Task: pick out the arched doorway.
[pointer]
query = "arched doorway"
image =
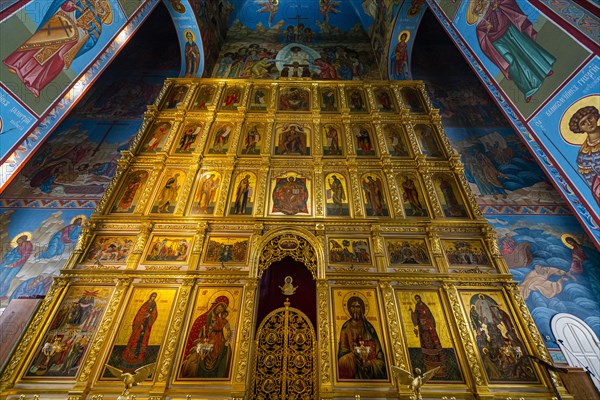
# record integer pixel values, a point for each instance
(285, 364)
(578, 343)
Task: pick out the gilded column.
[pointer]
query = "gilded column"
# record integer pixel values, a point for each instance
(186, 188)
(394, 192)
(356, 192)
(474, 365)
(166, 361)
(122, 165)
(140, 244)
(325, 342)
(199, 237)
(531, 332)
(436, 250)
(241, 369)
(103, 332)
(224, 192)
(394, 324)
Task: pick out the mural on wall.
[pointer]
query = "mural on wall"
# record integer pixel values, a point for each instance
(499, 167)
(556, 266)
(210, 344)
(36, 62)
(574, 114)
(298, 52)
(407, 252)
(520, 49)
(69, 334)
(35, 245)
(78, 161)
(428, 337)
(402, 39)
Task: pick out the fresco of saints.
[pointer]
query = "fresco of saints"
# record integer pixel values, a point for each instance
(13, 261)
(290, 196)
(141, 328)
(192, 55)
(585, 121)
(401, 56)
(69, 29)
(425, 329)
(507, 38)
(208, 349)
(61, 239)
(359, 354)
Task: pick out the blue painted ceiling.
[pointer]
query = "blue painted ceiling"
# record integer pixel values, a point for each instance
(339, 14)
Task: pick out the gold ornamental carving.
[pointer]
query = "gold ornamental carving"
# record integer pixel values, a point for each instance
(103, 331)
(324, 323)
(59, 285)
(393, 323)
(241, 367)
(173, 336)
(464, 331)
(285, 361)
(287, 244)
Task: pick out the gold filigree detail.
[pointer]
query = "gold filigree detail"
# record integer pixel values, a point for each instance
(173, 336)
(463, 329)
(393, 322)
(290, 245)
(109, 314)
(246, 332)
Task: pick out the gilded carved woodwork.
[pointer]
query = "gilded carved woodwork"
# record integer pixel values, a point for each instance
(273, 236)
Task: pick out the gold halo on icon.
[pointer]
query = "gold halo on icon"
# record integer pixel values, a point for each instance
(357, 294)
(190, 32)
(407, 32)
(13, 242)
(567, 134)
(564, 237)
(225, 293)
(82, 216)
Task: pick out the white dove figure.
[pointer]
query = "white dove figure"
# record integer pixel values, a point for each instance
(414, 382)
(130, 380)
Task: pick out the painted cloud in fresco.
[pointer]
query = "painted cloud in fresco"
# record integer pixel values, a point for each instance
(577, 293)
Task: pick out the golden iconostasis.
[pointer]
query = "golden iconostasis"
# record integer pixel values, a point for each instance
(285, 239)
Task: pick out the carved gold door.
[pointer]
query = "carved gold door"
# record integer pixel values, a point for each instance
(285, 357)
